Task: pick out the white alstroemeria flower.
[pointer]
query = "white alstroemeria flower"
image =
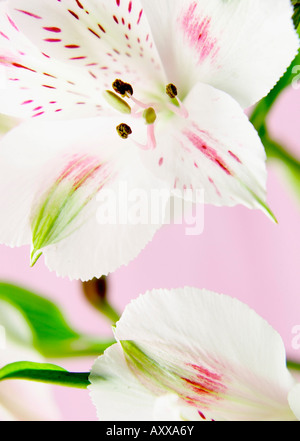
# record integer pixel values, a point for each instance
(21, 400)
(193, 355)
(170, 76)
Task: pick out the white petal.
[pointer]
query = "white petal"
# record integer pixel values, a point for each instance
(60, 176)
(170, 408)
(119, 396)
(212, 350)
(107, 38)
(215, 150)
(294, 400)
(116, 393)
(240, 46)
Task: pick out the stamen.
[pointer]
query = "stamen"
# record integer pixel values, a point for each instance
(171, 91)
(180, 110)
(151, 141)
(151, 137)
(177, 106)
(124, 89)
(123, 130)
(116, 102)
(139, 103)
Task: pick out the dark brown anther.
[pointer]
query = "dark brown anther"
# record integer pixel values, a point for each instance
(171, 90)
(124, 130)
(123, 89)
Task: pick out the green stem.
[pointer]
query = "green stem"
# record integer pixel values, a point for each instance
(262, 109)
(96, 292)
(108, 311)
(293, 365)
(273, 149)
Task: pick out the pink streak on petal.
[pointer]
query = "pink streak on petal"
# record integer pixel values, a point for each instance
(216, 188)
(207, 387)
(209, 152)
(234, 157)
(197, 32)
(82, 170)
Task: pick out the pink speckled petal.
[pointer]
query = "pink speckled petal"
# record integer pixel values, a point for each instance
(107, 39)
(34, 85)
(211, 350)
(240, 46)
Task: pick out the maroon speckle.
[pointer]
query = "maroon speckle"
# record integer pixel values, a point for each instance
(52, 40)
(140, 16)
(48, 87)
(79, 4)
(21, 66)
(102, 28)
(72, 46)
(49, 75)
(30, 14)
(94, 33)
(201, 415)
(52, 29)
(73, 14)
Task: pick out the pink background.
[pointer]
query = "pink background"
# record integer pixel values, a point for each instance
(241, 253)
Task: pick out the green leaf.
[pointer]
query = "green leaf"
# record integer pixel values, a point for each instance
(262, 109)
(290, 165)
(296, 16)
(259, 118)
(53, 337)
(45, 373)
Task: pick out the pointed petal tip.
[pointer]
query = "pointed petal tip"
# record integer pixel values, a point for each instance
(34, 257)
(266, 209)
(261, 204)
